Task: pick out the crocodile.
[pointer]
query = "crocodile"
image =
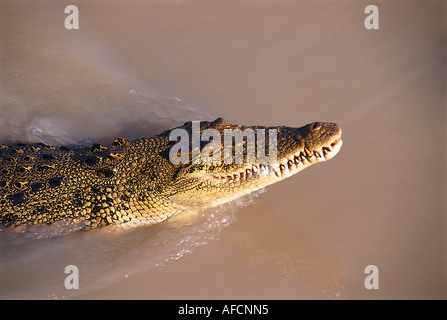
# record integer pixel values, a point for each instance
(135, 182)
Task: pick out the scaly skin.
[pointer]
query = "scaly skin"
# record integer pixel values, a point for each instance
(135, 182)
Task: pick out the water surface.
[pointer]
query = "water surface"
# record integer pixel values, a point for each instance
(136, 68)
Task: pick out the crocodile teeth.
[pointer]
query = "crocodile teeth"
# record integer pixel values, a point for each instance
(332, 150)
(308, 152)
(290, 166)
(247, 173)
(290, 163)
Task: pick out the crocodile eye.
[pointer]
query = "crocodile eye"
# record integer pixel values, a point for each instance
(315, 126)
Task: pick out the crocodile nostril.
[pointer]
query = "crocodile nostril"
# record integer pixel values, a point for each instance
(315, 126)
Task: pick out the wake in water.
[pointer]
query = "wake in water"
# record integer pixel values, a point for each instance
(34, 259)
(75, 94)
(105, 255)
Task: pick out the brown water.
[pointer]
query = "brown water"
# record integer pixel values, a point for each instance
(135, 68)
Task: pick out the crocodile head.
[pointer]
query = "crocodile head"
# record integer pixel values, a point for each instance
(201, 183)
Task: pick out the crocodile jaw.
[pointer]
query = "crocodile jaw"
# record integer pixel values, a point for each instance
(287, 167)
(252, 177)
(262, 176)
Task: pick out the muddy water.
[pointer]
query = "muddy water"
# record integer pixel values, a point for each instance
(135, 68)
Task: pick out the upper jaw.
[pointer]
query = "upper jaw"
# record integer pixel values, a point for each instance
(321, 142)
(331, 150)
(284, 167)
(305, 158)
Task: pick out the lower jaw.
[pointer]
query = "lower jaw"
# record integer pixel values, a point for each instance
(288, 166)
(243, 188)
(269, 175)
